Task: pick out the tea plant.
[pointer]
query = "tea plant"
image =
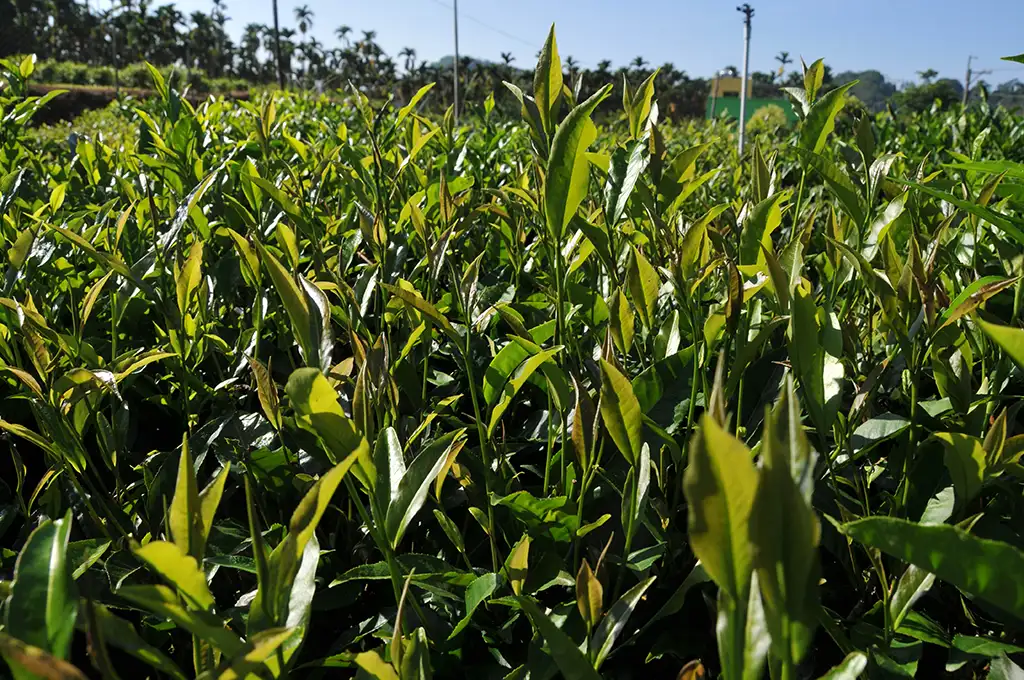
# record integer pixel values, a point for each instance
(308, 388)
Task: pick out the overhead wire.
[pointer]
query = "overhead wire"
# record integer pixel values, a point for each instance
(484, 24)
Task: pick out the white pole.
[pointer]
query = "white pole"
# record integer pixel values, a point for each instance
(455, 72)
(748, 11)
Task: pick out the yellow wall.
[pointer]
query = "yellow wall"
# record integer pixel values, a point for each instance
(730, 87)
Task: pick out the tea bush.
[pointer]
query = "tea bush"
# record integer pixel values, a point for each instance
(294, 388)
(130, 75)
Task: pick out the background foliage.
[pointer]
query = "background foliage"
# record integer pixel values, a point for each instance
(79, 44)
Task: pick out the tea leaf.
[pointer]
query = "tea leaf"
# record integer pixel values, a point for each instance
(821, 118)
(1010, 339)
(375, 667)
(179, 569)
(190, 276)
(547, 82)
(627, 164)
(162, 601)
(990, 570)
(517, 563)
(294, 301)
(615, 622)
(317, 408)
(589, 595)
(411, 492)
(43, 602)
(762, 221)
(643, 286)
(121, 634)
(568, 171)
(785, 536)
(720, 485)
(570, 659)
(29, 661)
(476, 593)
(516, 382)
(185, 519)
(620, 412)
(851, 667)
(267, 392)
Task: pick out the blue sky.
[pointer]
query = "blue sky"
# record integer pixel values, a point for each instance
(897, 37)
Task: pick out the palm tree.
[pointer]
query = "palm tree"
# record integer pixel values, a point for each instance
(784, 60)
(219, 18)
(313, 56)
(248, 50)
(304, 17)
(638, 63)
(287, 49)
(342, 33)
(203, 40)
(409, 54)
(927, 75)
(571, 64)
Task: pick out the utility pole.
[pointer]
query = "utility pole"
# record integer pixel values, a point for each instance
(455, 65)
(277, 49)
(714, 94)
(967, 78)
(748, 12)
(113, 51)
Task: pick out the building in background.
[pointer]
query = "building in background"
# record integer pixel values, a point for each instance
(724, 99)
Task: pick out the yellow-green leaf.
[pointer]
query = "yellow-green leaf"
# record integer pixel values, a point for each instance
(178, 569)
(163, 602)
(620, 412)
(267, 392)
(589, 595)
(317, 410)
(516, 566)
(294, 301)
(1010, 339)
(185, 519)
(720, 483)
(568, 171)
(643, 286)
(547, 81)
(190, 275)
(621, 321)
(375, 666)
(821, 118)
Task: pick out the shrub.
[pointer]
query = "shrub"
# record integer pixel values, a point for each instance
(767, 119)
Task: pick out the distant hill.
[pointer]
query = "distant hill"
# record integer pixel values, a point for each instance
(446, 62)
(873, 89)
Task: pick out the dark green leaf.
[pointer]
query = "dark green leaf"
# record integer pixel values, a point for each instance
(571, 661)
(615, 621)
(990, 570)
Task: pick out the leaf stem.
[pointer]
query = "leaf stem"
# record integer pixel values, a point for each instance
(630, 527)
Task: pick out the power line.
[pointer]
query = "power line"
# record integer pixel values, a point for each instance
(484, 24)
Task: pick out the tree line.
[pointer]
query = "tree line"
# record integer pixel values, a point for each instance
(135, 31)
